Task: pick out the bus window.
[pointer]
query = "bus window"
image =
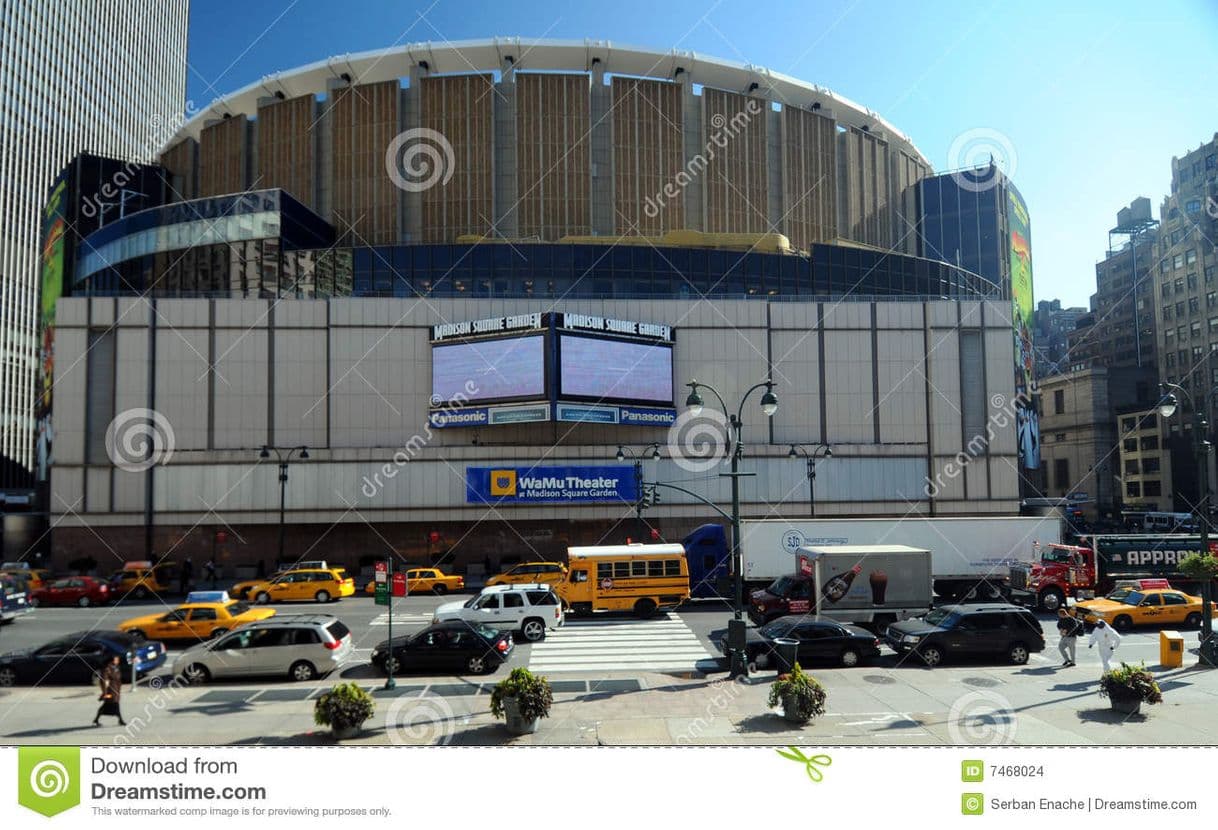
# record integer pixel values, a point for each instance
(604, 570)
(672, 567)
(579, 576)
(621, 570)
(655, 568)
(638, 569)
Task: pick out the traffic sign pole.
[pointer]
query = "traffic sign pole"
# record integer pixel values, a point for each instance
(390, 659)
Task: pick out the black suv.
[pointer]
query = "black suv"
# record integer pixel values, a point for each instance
(969, 629)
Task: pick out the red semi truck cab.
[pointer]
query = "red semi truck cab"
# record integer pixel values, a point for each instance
(1057, 572)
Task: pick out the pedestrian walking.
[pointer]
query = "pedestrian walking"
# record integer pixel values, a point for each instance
(211, 572)
(1069, 627)
(1107, 639)
(188, 572)
(111, 682)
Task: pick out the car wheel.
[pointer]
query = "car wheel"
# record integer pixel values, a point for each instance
(476, 664)
(322, 596)
(83, 602)
(8, 676)
(851, 658)
(1018, 654)
(217, 633)
(439, 590)
(533, 630)
(139, 635)
(1123, 623)
(196, 673)
(1193, 620)
(644, 608)
(263, 598)
(931, 656)
(34, 602)
(1052, 600)
(392, 665)
(302, 670)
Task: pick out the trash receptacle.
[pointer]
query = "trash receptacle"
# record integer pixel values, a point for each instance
(1171, 649)
(786, 652)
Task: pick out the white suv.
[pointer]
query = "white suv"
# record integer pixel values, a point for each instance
(530, 609)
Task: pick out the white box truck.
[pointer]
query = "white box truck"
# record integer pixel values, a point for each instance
(870, 585)
(971, 557)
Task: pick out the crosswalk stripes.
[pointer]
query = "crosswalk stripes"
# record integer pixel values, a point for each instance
(401, 617)
(664, 643)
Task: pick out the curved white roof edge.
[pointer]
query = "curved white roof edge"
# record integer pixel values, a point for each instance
(486, 55)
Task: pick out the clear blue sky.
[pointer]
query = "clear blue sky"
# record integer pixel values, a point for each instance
(1094, 96)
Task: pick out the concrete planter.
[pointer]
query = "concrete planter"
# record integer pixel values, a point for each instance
(514, 721)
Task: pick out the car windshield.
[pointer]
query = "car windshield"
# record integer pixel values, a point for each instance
(782, 586)
(942, 617)
(469, 603)
(236, 609)
(485, 631)
(1134, 598)
(775, 630)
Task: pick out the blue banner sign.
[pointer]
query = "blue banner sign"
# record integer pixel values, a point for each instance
(587, 414)
(471, 417)
(540, 485)
(646, 416)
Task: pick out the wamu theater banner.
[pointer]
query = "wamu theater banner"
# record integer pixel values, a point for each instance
(537, 485)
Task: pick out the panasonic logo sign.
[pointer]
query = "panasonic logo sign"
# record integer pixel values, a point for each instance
(475, 417)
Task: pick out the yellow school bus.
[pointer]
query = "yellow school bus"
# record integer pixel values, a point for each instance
(639, 578)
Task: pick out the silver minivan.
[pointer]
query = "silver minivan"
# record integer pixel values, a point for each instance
(296, 646)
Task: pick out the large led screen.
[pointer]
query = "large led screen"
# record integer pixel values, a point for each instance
(511, 368)
(598, 369)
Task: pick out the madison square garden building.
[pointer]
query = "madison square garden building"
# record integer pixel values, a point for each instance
(463, 276)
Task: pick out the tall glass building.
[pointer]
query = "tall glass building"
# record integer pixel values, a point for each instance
(112, 82)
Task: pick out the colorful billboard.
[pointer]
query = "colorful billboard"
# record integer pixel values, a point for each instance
(1026, 417)
(53, 259)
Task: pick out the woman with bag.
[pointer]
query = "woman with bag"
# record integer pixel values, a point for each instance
(111, 682)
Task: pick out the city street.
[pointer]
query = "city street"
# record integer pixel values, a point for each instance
(618, 680)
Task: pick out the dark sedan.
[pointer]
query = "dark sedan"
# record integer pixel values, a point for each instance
(819, 641)
(73, 590)
(77, 658)
(449, 646)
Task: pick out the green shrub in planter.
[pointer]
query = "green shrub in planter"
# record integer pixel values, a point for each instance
(343, 708)
(1130, 684)
(802, 698)
(531, 693)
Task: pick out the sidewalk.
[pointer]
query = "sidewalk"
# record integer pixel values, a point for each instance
(971, 705)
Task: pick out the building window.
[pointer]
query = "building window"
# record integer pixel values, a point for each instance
(1192, 206)
(1211, 161)
(1130, 444)
(1179, 285)
(1182, 357)
(1192, 282)
(1131, 467)
(1190, 256)
(1059, 401)
(1177, 262)
(1181, 332)
(1209, 275)
(1164, 267)
(1194, 305)
(1059, 436)
(1195, 327)
(1169, 335)
(1129, 424)
(1150, 442)
(1166, 312)
(1150, 465)
(1152, 488)
(1211, 299)
(1061, 474)
(1196, 353)
(1214, 325)
(1176, 236)
(1180, 309)
(1133, 488)
(1171, 360)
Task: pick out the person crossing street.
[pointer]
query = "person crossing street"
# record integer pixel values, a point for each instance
(1070, 628)
(1107, 639)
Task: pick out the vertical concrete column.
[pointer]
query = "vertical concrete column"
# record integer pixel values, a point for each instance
(410, 222)
(507, 217)
(691, 117)
(773, 165)
(603, 221)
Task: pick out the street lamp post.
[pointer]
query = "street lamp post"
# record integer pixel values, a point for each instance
(1201, 446)
(284, 456)
(817, 451)
(736, 627)
(624, 452)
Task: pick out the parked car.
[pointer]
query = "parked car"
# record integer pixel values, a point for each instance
(315, 585)
(143, 579)
(533, 573)
(297, 646)
(34, 578)
(72, 590)
(529, 609)
(1158, 607)
(426, 581)
(454, 646)
(195, 621)
(819, 640)
(77, 658)
(957, 630)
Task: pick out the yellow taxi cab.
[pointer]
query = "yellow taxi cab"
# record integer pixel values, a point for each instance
(551, 573)
(141, 579)
(195, 621)
(426, 580)
(1157, 607)
(34, 578)
(305, 584)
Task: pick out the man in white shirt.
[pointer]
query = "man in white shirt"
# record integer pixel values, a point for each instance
(1107, 639)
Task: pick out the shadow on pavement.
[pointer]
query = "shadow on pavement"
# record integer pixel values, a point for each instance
(1108, 716)
(768, 724)
(62, 730)
(299, 739)
(487, 735)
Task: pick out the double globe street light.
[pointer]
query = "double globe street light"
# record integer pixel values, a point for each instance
(624, 452)
(284, 456)
(736, 627)
(817, 451)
